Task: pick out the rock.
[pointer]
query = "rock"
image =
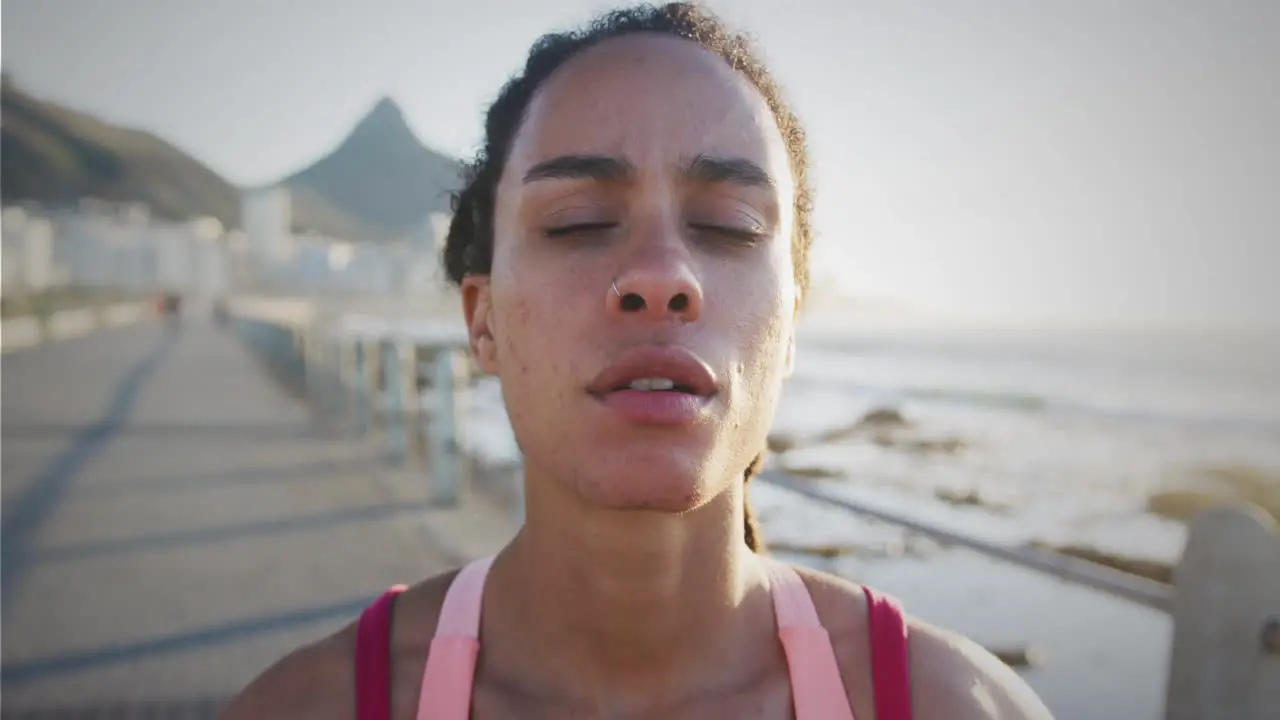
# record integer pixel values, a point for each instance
(884, 427)
(969, 498)
(781, 443)
(959, 497)
(827, 551)
(946, 446)
(840, 433)
(1249, 484)
(890, 548)
(1182, 505)
(813, 473)
(1019, 657)
(881, 417)
(1218, 485)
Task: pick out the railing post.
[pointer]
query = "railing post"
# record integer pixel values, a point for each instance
(446, 427)
(1226, 612)
(393, 376)
(408, 352)
(311, 365)
(335, 373)
(347, 375)
(292, 355)
(355, 384)
(371, 361)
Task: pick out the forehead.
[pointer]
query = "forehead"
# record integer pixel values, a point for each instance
(654, 99)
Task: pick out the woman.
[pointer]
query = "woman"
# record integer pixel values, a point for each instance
(632, 248)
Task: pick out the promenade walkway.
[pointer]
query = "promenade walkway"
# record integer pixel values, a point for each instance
(173, 521)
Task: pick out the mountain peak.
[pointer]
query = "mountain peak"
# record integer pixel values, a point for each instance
(385, 109)
(385, 117)
(382, 174)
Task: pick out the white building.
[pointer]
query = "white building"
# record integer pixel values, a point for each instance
(266, 216)
(27, 251)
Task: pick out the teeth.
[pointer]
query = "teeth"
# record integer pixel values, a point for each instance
(657, 383)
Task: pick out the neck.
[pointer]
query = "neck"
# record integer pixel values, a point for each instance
(628, 604)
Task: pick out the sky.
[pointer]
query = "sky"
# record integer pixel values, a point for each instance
(1082, 162)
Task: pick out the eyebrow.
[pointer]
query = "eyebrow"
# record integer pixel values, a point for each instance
(581, 167)
(735, 171)
(604, 168)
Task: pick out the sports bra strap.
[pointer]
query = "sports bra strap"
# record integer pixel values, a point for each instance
(817, 690)
(816, 686)
(451, 662)
(890, 661)
(460, 613)
(373, 658)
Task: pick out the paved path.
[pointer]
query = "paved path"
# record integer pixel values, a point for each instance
(172, 522)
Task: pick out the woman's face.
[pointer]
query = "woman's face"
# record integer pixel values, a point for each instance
(648, 164)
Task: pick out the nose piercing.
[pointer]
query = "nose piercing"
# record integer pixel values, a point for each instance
(614, 285)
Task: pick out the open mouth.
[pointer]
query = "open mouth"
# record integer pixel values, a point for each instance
(656, 384)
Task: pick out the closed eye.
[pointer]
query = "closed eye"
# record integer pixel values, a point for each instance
(580, 229)
(743, 235)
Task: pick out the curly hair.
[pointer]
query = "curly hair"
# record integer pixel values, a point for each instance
(469, 244)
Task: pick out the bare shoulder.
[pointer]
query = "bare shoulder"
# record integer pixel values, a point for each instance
(314, 681)
(951, 676)
(318, 680)
(954, 677)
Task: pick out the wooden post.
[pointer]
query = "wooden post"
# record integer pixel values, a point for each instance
(449, 385)
(1226, 611)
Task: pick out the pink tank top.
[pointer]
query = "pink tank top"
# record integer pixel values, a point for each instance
(816, 688)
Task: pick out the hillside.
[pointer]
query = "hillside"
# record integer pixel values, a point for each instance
(381, 176)
(56, 156)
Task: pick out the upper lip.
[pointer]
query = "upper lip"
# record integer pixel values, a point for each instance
(681, 366)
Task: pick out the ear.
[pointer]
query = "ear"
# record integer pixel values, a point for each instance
(477, 309)
(790, 364)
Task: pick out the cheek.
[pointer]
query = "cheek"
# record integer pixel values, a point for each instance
(514, 318)
(764, 333)
(535, 343)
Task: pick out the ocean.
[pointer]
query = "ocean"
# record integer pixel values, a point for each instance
(1016, 437)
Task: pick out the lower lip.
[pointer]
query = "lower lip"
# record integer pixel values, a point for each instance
(644, 407)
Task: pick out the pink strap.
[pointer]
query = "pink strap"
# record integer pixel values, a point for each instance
(816, 687)
(373, 658)
(451, 662)
(890, 663)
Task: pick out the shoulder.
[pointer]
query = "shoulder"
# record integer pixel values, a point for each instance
(317, 680)
(309, 682)
(951, 676)
(954, 677)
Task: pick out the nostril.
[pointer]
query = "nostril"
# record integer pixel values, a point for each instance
(632, 302)
(679, 303)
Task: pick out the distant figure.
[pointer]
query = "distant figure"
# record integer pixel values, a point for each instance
(169, 305)
(632, 247)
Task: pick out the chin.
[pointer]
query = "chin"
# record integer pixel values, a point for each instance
(660, 483)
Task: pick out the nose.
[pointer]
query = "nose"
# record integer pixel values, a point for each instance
(664, 291)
